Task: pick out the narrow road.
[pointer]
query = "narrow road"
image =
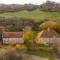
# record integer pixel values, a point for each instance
(38, 58)
(57, 58)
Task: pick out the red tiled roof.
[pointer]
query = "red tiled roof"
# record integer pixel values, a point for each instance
(12, 34)
(48, 34)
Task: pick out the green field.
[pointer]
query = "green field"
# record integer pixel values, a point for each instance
(36, 15)
(42, 54)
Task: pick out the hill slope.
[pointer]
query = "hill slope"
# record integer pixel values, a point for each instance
(36, 15)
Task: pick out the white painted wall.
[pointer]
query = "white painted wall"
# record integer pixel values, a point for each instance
(12, 40)
(50, 40)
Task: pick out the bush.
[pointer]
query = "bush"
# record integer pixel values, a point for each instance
(42, 47)
(11, 54)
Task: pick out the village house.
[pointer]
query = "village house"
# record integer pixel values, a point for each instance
(12, 37)
(47, 36)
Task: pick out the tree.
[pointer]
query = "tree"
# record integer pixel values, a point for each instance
(27, 35)
(49, 24)
(11, 28)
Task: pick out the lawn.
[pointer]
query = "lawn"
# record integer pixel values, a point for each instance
(44, 54)
(36, 15)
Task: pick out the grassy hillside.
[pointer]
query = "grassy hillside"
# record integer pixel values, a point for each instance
(36, 15)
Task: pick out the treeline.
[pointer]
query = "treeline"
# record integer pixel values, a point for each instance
(50, 6)
(17, 7)
(47, 6)
(18, 24)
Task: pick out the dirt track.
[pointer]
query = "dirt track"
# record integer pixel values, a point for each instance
(38, 58)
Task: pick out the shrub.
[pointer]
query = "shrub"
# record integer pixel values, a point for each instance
(11, 54)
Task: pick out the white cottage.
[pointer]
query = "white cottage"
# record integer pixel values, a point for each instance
(47, 36)
(12, 37)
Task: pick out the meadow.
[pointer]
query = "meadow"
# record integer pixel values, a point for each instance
(36, 15)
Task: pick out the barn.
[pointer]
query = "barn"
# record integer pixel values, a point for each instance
(12, 37)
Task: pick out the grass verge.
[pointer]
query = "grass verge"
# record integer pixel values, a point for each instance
(44, 54)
